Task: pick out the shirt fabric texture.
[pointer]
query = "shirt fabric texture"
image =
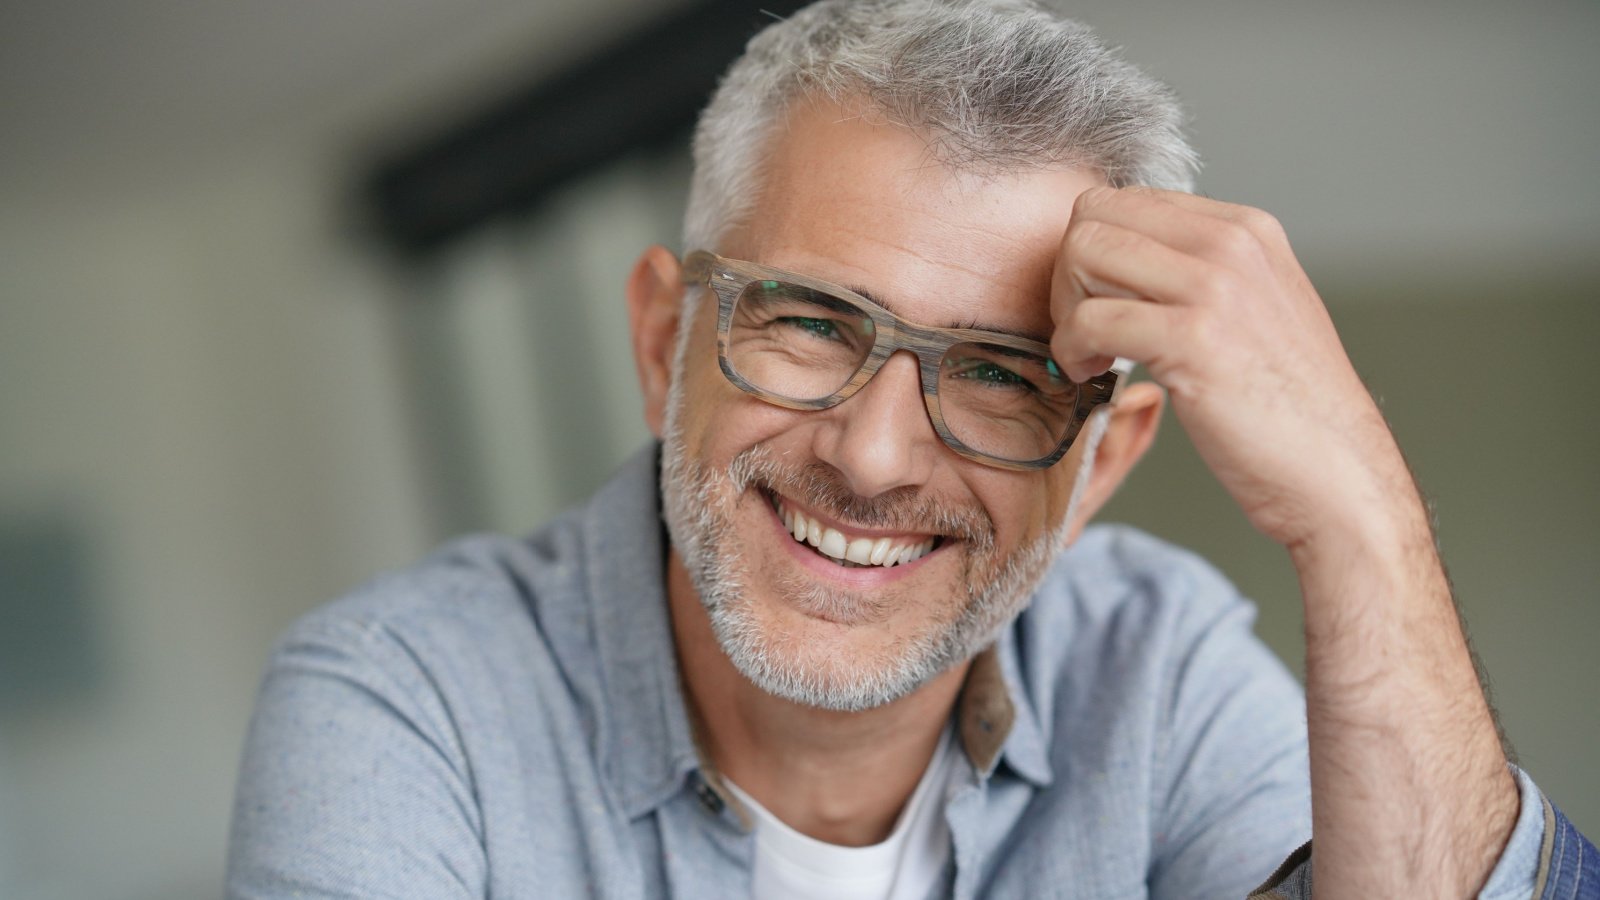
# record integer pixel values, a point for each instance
(505, 720)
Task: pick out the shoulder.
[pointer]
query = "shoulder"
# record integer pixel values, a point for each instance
(381, 732)
(1117, 572)
(479, 583)
(480, 607)
(1125, 623)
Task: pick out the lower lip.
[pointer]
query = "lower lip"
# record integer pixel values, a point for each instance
(863, 576)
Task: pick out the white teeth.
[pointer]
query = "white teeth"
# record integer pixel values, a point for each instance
(833, 544)
(911, 553)
(862, 551)
(880, 551)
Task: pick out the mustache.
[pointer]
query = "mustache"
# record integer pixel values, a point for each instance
(823, 487)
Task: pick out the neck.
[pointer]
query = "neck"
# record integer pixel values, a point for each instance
(840, 777)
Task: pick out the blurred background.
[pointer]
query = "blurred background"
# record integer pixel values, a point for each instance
(290, 292)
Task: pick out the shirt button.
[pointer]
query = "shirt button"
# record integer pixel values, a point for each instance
(709, 799)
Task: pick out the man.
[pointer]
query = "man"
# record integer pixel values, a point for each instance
(924, 241)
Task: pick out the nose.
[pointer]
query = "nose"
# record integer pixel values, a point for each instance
(881, 438)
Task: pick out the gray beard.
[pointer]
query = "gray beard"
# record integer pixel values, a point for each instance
(698, 505)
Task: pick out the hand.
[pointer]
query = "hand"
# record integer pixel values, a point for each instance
(1410, 791)
(1209, 298)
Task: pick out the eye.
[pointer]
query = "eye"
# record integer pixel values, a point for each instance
(822, 328)
(986, 372)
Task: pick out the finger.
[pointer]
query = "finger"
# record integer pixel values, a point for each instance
(1104, 328)
(1103, 259)
(1262, 224)
(1148, 212)
(1193, 224)
(1199, 203)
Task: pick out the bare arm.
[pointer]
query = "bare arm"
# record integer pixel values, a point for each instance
(1410, 790)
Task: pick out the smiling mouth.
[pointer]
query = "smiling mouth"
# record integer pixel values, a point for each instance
(852, 551)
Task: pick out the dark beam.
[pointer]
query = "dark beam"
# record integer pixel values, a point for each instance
(644, 90)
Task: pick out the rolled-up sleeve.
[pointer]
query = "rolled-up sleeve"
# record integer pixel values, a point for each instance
(1545, 858)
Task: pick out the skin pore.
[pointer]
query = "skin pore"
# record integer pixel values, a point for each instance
(863, 204)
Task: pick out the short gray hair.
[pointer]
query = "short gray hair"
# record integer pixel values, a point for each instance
(996, 85)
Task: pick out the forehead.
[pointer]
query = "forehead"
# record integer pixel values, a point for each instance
(868, 205)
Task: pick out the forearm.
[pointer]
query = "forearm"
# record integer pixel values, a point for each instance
(1410, 791)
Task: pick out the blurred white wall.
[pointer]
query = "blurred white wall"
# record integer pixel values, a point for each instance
(195, 362)
(196, 356)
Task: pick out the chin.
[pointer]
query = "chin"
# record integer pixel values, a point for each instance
(848, 620)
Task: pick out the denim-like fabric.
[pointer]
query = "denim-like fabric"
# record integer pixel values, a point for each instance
(1517, 871)
(1524, 864)
(504, 720)
(1571, 865)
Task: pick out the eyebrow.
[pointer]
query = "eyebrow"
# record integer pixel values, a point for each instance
(1013, 332)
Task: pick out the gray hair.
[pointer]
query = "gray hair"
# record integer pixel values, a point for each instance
(996, 85)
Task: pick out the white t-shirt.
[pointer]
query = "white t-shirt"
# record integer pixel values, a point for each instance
(905, 866)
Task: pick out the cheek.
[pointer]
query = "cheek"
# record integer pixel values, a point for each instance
(1026, 505)
(718, 419)
(699, 390)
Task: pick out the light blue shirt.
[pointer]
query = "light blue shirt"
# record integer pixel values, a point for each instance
(505, 720)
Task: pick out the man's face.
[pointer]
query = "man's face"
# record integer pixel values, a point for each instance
(869, 208)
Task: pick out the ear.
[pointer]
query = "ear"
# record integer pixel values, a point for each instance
(1135, 417)
(655, 306)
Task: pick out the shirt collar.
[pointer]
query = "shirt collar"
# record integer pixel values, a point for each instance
(646, 742)
(644, 739)
(996, 721)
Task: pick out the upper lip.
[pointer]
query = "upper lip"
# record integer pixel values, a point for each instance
(852, 530)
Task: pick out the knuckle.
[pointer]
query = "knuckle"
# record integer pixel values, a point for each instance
(1085, 239)
(1262, 222)
(1093, 198)
(1216, 283)
(1084, 232)
(1075, 325)
(1234, 241)
(1064, 347)
(1092, 234)
(1090, 318)
(1200, 333)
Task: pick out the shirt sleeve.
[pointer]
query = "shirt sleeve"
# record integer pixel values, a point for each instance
(1545, 857)
(353, 782)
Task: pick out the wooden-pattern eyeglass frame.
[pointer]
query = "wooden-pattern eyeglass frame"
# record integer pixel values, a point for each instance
(728, 278)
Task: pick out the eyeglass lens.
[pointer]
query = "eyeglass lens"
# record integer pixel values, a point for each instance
(803, 344)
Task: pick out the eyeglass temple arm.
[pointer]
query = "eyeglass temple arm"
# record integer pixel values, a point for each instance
(696, 268)
(1123, 369)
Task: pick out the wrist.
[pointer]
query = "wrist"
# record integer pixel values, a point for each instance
(1378, 526)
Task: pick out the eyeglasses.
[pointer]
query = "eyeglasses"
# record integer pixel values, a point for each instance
(801, 343)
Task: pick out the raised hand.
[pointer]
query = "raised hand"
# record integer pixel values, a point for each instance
(1209, 297)
(1410, 791)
